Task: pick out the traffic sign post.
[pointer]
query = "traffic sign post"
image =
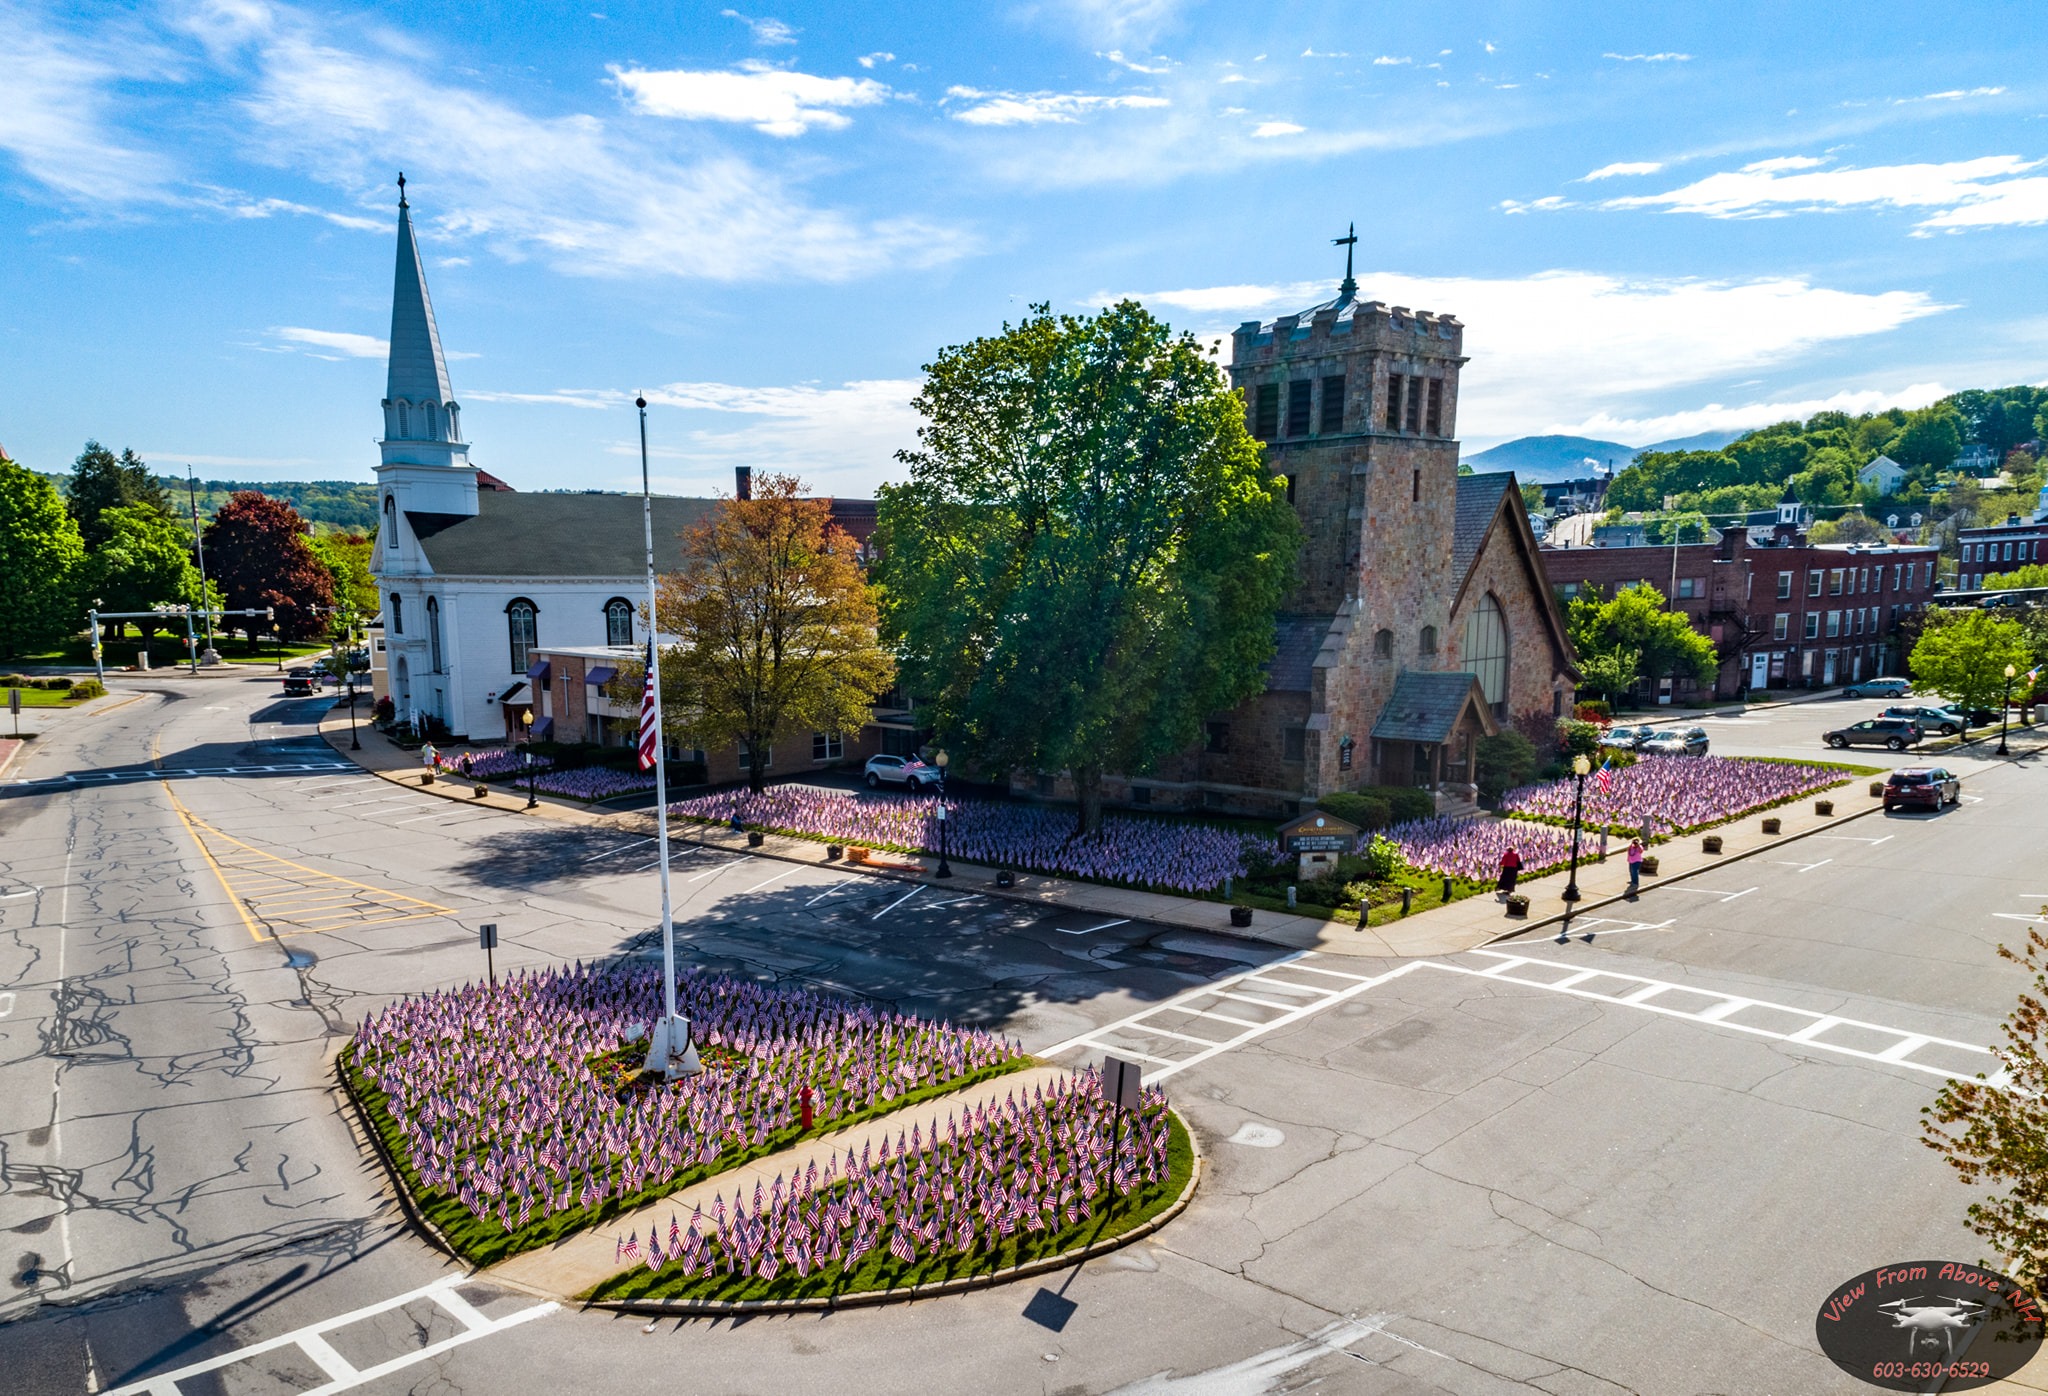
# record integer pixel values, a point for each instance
(487, 935)
(14, 707)
(1121, 1082)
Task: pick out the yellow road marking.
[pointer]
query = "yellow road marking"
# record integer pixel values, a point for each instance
(241, 908)
(332, 877)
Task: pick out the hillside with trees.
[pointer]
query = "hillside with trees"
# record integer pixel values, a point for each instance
(328, 506)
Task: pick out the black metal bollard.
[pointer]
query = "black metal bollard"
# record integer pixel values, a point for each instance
(1407, 896)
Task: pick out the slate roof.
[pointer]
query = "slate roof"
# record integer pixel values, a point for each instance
(1424, 707)
(1296, 642)
(555, 535)
(1478, 500)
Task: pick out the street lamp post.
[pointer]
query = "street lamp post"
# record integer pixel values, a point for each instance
(945, 868)
(532, 779)
(2005, 708)
(355, 743)
(1581, 767)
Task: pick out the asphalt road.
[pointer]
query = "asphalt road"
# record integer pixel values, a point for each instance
(1630, 1162)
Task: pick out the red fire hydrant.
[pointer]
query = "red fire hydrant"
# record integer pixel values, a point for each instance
(803, 1101)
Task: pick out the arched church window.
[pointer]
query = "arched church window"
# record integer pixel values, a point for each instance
(618, 621)
(522, 621)
(454, 422)
(1428, 643)
(1486, 651)
(1383, 644)
(390, 521)
(397, 614)
(432, 423)
(404, 424)
(434, 632)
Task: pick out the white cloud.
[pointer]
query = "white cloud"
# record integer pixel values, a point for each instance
(1117, 21)
(56, 118)
(766, 32)
(1388, 61)
(1265, 130)
(591, 199)
(775, 101)
(1563, 346)
(1745, 416)
(1639, 57)
(339, 342)
(1992, 190)
(1549, 203)
(1313, 52)
(1956, 94)
(1157, 67)
(239, 205)
(869, 60)
(1623, 167)
(1037, 108)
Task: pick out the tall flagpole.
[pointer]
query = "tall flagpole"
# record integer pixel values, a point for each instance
(668, 928)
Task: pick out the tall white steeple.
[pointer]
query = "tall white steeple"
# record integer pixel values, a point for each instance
(422, 420)
(424, 465)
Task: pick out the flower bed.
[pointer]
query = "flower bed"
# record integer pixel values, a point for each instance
(1135, 852)
(501, 764)
(1009, 1183)
(594, 782)
(1471, 847)
(509, 1130)
(1676, 793)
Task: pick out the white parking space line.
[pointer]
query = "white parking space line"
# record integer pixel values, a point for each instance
(786, 872)
(2015, 916)
(1588, 927)
(341, 1373)
(898, 902)
(835, 887)
(420, 819)
(970, 897)
(1802, 867)
(1851, 838)
(615, 852)
(357, 804)
(717, 868)
(1090, 930)
(1708, 891)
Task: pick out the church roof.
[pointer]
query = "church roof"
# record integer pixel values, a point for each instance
(1296, 642)
(1426, 707)
(514, 534)
(1490, 506)
(418, 370)
(1478, 501)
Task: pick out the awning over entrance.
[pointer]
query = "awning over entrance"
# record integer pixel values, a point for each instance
(511, 695)
(1428, 707)
(602, 674)
(537, 673)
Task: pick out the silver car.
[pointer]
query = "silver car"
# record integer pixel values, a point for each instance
(906, 771)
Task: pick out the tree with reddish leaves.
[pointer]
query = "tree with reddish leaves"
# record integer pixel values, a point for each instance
(257, 552)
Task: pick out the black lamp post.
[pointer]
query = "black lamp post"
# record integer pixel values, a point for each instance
(2005, 709)
(1581, 767)
(945, 868)
(526, 725)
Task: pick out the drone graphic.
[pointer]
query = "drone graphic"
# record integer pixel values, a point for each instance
(1925, 1323)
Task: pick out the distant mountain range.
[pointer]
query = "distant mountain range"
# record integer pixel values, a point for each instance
(1545, 459)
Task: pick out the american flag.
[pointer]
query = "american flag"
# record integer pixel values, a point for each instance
(1604, 777)
(650, 714)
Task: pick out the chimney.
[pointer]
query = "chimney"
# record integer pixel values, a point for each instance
(743, 481)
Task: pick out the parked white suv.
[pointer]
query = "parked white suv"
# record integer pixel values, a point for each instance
(906, 771)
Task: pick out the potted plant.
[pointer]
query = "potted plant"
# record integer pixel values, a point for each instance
(1518, 905)
(1823, 807)
(1773, 825)
(480, 790)
(1649, 865)
(426, 778)
(1240, 915)
(755, 838)
(1711, 843)
(833, 851)
(1005, 878)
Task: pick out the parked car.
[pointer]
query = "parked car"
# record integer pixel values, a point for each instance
(298, 683)
(1946, 721)
(1879, 688)
(906, 771)
(1922, 787)
(1894, 733)
(1627, 738)
(2002, 598)
(1691, 742)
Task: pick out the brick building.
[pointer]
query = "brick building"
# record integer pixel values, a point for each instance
(1422, 620)
(1782, 611)
(1982, 552)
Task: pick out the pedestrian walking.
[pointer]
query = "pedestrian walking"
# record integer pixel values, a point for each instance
(1635, 868)
(1510, 869)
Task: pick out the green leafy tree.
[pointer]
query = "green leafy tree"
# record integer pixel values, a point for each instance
(1635, 619)
(1609, 673)
(258, 552)
(1577, 738)
(144, 561)
(42, 559)
(1502, 761)
(775, 626)
(1532, 495)
(2034, 574)
(1089, 553)
(1853, 526)
(101, 481)
(1962, 656)
(347, 556)
(1931, 439)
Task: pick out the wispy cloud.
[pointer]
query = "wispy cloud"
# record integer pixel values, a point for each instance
(1563, 346)
(775, 101)
(56, 119)
(1639, 57)
(1266, 130)
(1990, 191)
(1154, 67)
(869, 60)
(979, 108)
(1623, 167)
(766, 32)
(1389, 61)
(338, 343)
(1114, 22)
(1745, 416)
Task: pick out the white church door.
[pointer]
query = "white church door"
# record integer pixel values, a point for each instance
(401, 689)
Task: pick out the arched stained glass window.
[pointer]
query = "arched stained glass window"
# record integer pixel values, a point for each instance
(1486, 650)
(522, 620)
(434, 633)
(618, 621)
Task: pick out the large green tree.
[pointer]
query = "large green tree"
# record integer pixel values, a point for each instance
(347, 556)
(41, 559)
(1089, 553)
(144, 561)
(101, 481)
(1962, 656)
(1635, 619)
(258, 553)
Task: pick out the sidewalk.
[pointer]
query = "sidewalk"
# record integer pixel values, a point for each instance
(584, 1258)
(380, 758)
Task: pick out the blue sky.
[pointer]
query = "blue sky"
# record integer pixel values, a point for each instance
(1654, 219)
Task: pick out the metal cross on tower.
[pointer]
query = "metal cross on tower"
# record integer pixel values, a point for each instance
(1347, 242)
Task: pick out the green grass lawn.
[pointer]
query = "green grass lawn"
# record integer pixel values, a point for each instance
(165, 651)
(41, 698)
(879, 1269)
(482, 1242)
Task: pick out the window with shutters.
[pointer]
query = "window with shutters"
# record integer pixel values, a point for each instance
(1394, 385)
(1266, 411)
(1333, 405)
(1297, 406)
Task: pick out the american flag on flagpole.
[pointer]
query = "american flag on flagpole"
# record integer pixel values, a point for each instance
(1604, 777)
(649, 714)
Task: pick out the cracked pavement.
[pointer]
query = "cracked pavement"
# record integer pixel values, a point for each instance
(1454, 1184)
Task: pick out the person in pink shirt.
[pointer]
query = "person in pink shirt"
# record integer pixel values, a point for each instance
(1635, 868)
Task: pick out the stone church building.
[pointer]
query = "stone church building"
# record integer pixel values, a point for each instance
(1422, 620)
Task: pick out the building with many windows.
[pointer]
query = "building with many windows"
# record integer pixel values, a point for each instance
(1985, 552)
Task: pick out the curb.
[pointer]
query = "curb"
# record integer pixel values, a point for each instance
(1583, 907)
(736, 1308)
(366, 1128)
(456, 789)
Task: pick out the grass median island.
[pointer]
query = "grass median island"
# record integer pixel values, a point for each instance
(852, 1233)
(511, 1123)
